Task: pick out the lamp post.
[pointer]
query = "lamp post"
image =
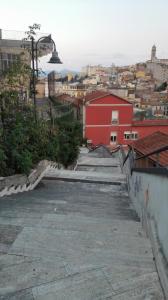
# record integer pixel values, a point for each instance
(35, 71)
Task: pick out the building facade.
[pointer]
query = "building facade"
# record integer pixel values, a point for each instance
(74, 89)
(42, 88)
(16, 49)
(54, 87)
(158, 67)
(108, 119)
(12, 48)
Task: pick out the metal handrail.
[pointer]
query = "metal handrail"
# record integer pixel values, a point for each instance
(125, 159)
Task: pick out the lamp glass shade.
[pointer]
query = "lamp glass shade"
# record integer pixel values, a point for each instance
(54, 58)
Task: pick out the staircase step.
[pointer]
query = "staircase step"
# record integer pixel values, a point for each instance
(75, 237)
(85, 176)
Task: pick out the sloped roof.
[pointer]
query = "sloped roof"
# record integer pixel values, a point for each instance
(100, 151)
(65, 97)
(68, 98)
(95, 95)
(150, 122)
(71, 99)
(151, 143)
(100, 94)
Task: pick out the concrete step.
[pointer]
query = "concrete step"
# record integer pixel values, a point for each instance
(85, 176)
(75, 237)
(96, 161)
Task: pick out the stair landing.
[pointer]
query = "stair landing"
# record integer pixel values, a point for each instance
(74, 241)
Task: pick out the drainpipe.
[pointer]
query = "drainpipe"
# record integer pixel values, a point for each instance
(84, 117)
(0, 34)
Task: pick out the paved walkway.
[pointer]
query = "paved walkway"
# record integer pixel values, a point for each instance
(74, 241)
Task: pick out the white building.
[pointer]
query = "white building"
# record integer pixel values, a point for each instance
(158, 67)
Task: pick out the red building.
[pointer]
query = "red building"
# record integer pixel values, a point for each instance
(108, 119)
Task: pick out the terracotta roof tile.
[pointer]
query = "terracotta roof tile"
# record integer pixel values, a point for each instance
(152, 122)
(151, 143)
(100, 94)
(65, 97)
(96, 94)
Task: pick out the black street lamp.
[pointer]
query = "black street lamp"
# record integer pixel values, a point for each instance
(34, 56)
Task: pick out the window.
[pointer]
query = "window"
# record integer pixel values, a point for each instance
(7, 59)
(113, 138)
(134, 135)
(128, 135)
(114, 117)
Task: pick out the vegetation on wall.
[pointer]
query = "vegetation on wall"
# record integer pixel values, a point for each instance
(25, 141)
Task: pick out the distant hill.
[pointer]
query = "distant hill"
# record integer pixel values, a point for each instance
(66, 71)
(63, 72)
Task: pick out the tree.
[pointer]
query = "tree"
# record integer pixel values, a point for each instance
(23, 141)
(69, 139)
(32, 31)
(14, 80)
(162, 87)
(3, 157)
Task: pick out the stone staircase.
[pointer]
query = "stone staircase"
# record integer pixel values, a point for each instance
(91, 169)
(75, 240)
(85, 176)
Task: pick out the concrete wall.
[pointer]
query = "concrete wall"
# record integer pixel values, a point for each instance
(148, 192)
(22, 183)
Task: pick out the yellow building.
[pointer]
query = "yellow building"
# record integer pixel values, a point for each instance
(140, 74)
(41, 88)
(74, 90)
(70, 77)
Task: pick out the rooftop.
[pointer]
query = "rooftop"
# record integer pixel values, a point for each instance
(101, 94)
(151, 143)
(155, 122)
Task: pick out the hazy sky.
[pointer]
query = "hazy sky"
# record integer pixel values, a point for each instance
(94, 31)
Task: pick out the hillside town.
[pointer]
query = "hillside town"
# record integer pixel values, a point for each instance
(141, 87)
(83, 175)
(139, 92)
